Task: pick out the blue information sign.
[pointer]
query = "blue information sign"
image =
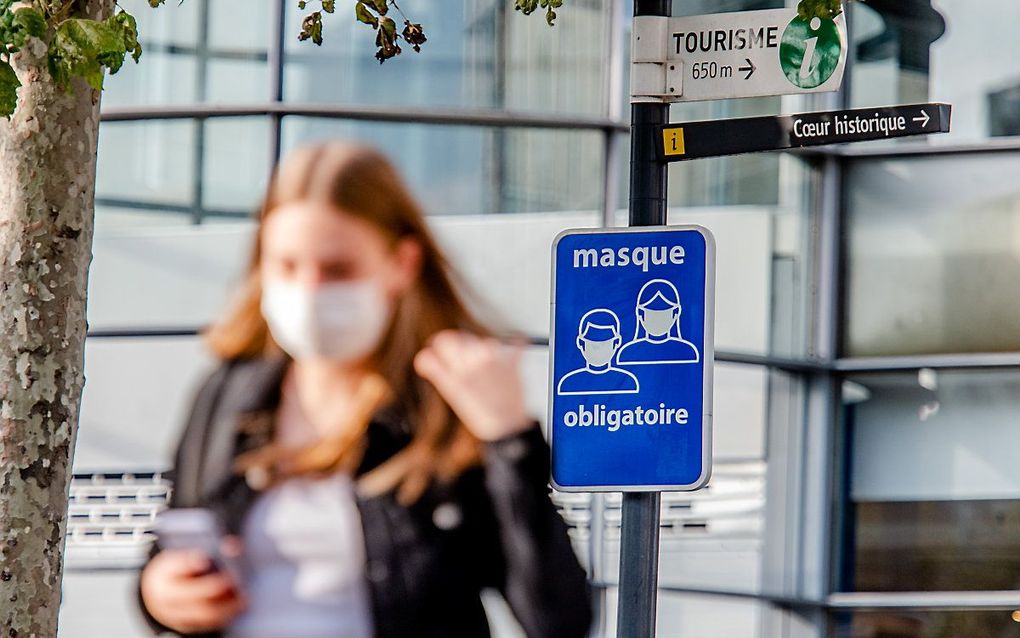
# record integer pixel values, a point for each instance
(631, 365)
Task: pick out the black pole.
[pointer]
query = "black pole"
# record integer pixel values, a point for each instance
(647, 173)
(639, 534)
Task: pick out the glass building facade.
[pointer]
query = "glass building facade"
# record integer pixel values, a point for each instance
(868, 345)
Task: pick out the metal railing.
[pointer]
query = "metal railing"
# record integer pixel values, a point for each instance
(804, 366)
(110, 518)
(111, 515)
(732, 506)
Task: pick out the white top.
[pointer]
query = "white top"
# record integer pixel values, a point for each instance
(304, 563)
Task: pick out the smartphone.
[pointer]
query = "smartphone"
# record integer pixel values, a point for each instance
(196, 529)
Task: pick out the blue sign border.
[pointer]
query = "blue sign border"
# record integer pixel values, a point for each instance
(708, 357)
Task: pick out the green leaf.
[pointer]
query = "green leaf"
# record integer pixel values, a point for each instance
(311, 28)
(527, 7)
(413, 35)
(365, 15)
(155, 3)
(31, 21)
(83, 47)
(386, 40)
(125, 24)
(380, 6)
(18, 25)
(301, 4)
(9, 84)
(329, 6)
(824, 9)
(389, 26)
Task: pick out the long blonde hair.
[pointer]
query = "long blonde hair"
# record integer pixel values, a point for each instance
(360, 181)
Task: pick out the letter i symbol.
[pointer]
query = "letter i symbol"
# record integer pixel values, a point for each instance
(673, 141)
(809, 49)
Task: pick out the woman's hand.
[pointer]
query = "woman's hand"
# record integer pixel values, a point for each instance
(181, 593)
(479, 378)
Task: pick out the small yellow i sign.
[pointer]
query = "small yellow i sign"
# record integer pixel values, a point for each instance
(673, 141)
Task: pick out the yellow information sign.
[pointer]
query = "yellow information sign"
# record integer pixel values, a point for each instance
(673, 141)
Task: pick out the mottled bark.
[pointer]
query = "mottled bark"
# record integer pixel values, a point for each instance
(47, 185)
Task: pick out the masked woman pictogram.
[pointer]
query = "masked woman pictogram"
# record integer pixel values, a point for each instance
(657, 337)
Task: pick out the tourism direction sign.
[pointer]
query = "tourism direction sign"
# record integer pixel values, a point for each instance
(694, 140)
(738, 54)
(631, 359)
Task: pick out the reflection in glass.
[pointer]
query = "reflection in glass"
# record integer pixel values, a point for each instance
(762, 270)
(935, 488)
(196, 51)
(181, 168)
(939, 50)
(741, 180)
(146, 163)
(166, 79)
(699, 7)
(937, 546)
(954, 624)
(934, 255)
(235, 163)
(119, 218)
(892, 42)
(479, 54)
(460, 170)
(175, 24)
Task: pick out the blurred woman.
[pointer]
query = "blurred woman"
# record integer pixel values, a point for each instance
(364, 441)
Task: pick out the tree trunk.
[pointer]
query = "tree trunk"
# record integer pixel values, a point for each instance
(47, 187)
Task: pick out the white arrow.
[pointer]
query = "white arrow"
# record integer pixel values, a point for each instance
(924, 119)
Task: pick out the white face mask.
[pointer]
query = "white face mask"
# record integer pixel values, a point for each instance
(341, 321)
(599, 353)
(658, 322)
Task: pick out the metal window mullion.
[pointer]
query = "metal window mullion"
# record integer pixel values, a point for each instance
(213, 52)
(497, 170)
(926, 601)
(797, 368)
(616, 97)
(811, 578)
(934, 601)
(977, 361)
(168, 208)
(275, 63)
(822, 487)
(926, 150)
(612, 174)
(805, 480)
(443, 116)
(201, 80)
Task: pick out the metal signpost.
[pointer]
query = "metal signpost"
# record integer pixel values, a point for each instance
(631, 337)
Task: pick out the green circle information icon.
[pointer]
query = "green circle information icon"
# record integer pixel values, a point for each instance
(809, 51)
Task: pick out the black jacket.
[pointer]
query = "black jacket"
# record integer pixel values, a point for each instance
(497, 527)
